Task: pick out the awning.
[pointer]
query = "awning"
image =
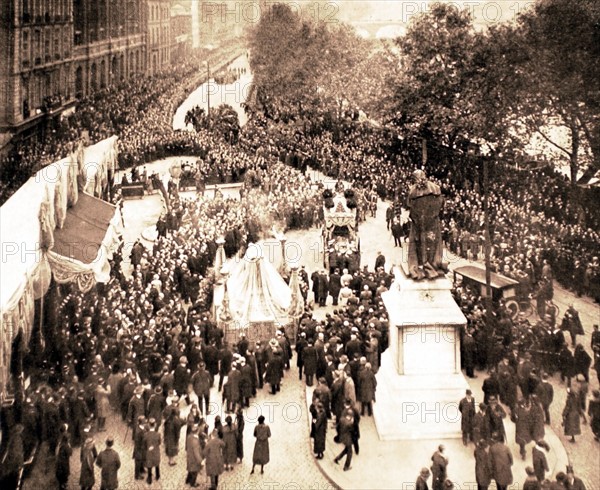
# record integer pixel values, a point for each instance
(84, 230)
(497, 281)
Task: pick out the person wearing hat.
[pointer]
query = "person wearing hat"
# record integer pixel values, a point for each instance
(138, 448)
(109, 463)
(531, 482)
(63, 458)
(545, 394)
(274, 369)
(466, 407)
(502, 462)
(309, 360)
(483, 465)
(439, 468)
(152, 442)
(539, 461)
(319, 430)
(214, 461)
(89, 454)
(156, 405)
(573, 482)
(193, 453)
(421, 483)
(182, 375)
(136, 408)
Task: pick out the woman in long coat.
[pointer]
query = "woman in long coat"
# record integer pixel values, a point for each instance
(319, 432)
(523, 418)
(213, 453)
(88, 458)
(229, 438)
(367, 386)
(262, 432)
(571, 414)
(172, 433)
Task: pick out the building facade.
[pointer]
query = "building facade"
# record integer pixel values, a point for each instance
(36, 46)
(158, 37)
(59, 50)
(108, 43)
(180, 31)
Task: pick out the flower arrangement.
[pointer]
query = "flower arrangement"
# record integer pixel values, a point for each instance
(329, 202)
(327, 194)
(351, 203)
(349, 194)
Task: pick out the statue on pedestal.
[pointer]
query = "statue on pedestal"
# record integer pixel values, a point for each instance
(425, 249)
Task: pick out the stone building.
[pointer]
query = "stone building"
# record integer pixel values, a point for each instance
(157, 23)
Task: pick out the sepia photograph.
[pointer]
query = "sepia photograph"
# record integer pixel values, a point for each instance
(300, 244)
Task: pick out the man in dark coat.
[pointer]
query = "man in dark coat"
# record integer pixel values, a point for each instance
(439, 467)
(322, 288)
(466, 407)
(367, 385)
(156, 405)
(138, 448)
(211, 359)
(397, 232)
(193, 457)
(379, 261)
(545, 395)
(136, 408)
(572, 323)
(225, 360)
(483, 465)
(109, 462)
(421, 483)
(335, 285)
(345, 437)
(495, 417)
(502, 462)
(301, 344)
(201, 382)
(469, 348)
(182, 376)
(309, 360)
(152, 442)
(274, 371)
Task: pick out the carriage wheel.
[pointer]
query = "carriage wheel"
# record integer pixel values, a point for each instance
(513, 308)
(527, 308)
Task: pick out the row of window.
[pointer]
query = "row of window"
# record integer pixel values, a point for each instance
(158, 12)
(47, 45)
(45, 90)
(34, 9)
(157, 38)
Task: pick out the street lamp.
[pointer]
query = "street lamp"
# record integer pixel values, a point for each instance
(208, 91)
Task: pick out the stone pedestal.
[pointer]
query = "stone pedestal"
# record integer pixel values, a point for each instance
(420, 382)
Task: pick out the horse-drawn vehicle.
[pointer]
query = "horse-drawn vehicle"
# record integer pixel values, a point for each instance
(514, 295)
(341, 243)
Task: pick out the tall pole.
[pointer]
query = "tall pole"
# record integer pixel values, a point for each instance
(208, 90)
(488, 273)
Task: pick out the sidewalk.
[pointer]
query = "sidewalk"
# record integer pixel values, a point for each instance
(396, 464)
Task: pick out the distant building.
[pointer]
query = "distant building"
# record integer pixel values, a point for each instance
(36, 49)
(158, 39)
(56, 51)
(108, 43)
(181, 31)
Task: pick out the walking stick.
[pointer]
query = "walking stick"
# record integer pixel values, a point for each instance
(126, 432)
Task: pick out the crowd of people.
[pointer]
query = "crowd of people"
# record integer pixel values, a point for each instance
(146, 346)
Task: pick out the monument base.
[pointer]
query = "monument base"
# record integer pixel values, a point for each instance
(417, 406)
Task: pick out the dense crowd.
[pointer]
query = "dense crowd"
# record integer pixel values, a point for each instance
(138, 110)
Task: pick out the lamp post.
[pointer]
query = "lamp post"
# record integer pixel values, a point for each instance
(208, 91)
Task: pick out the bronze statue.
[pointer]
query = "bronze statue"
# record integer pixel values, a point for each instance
(425, 248)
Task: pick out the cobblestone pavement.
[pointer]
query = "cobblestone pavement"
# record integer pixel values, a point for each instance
(292, 466)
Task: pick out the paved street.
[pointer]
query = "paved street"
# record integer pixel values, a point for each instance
(292, 464)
